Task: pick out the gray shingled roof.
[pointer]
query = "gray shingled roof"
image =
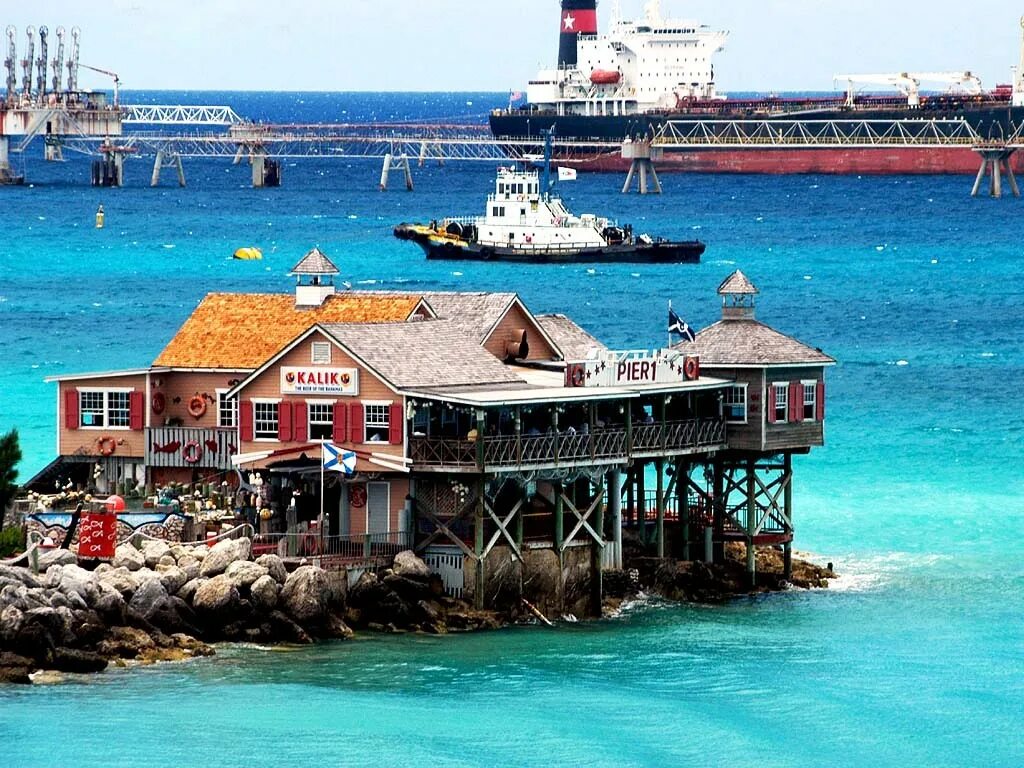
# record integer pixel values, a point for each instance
(737, 282)
(315, 263)
(749, 342)
(570, 337)
(427, 353)
(476, 312)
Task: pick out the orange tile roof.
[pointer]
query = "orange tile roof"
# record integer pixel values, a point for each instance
(242, 330)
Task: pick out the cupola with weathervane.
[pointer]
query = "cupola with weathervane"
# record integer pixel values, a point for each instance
(737, 294)
(314, 279)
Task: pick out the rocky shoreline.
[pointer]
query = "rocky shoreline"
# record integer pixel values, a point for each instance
(167, 602)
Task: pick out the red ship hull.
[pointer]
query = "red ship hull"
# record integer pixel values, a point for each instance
(853, 160)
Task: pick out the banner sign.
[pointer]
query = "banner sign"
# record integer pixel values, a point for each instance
(632, 368)
(319, 381)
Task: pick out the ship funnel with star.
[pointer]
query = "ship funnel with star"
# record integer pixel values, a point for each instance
(579, 17)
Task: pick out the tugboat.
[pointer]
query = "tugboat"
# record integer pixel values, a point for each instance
(524, 222)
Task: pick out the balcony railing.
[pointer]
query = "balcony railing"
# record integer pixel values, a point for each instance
(190, 447)
(567, 448)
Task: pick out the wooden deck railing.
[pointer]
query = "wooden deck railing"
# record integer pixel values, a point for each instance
(567, 447)
(190, 447)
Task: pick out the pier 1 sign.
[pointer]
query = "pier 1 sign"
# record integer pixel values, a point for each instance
(319, 381)
(623, 369)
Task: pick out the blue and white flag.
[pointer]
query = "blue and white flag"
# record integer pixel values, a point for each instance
(338, 459)
(677, 325)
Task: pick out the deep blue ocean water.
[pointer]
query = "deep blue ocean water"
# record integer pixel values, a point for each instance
(916, 655)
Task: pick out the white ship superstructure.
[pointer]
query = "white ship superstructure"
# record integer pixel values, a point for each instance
(638, 66)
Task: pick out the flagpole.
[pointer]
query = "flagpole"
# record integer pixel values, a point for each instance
(321, 526)
(670, 325)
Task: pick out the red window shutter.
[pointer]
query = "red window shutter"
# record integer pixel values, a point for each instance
(71, 409)
(819, 401)
(340, 411)
(245, 408)
(796, 401)
(135, 407)
(355, 427)
(396, 424)
(301, 426)
(771, 403)
(284, 421)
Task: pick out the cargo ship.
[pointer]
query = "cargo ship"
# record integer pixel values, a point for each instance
(629, 81)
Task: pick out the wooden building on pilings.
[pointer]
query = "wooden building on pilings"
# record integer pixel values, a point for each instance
(509, 449)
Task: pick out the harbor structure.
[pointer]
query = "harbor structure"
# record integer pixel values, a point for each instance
(512, 450)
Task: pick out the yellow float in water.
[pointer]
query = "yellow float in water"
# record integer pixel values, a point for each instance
(248, 254)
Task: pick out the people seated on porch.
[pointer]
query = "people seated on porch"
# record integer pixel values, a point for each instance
(648, 418)
(472, 435)
(571, 430)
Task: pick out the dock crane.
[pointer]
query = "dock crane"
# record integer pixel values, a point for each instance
(117, 80)
(909, 83)
(58, 62)
(41, 62)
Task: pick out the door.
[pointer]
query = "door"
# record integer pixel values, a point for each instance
(378, 504)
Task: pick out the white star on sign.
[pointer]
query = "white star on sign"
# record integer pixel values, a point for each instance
(569, 21)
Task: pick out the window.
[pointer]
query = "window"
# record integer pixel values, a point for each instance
(810, 399)
(99, 408)
(734, 404)
(264, 420)
(321, 421)
(321, 353)
(377, 422)
(227, 410)
(781, 401)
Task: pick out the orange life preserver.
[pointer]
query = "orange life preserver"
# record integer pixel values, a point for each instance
(159, 402)
(192, 452)
(691, 368)
(578, 376)
(197, 406)
(107, 444)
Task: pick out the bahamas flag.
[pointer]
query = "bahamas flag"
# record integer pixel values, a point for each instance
(338, 459)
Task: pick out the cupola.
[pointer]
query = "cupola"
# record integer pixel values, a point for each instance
(315, 279)
(737, 294)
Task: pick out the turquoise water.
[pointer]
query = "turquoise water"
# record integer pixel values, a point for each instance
(916, 656)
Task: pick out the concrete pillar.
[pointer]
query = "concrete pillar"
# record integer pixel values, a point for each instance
(659, 531)
(751, 523)
(787, 500)
(615, 517)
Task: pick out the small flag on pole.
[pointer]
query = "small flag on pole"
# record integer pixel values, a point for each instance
(677, 325)
(566, 174)
(515, 95)
(338, 459)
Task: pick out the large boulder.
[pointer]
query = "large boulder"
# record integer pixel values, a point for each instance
(119, 578)
(410, 566)
(22, 575)
(188, 591)
(305, 595)
(153, 550)
(223, 554)
(217, 598)
(264, 592)
(149, 599)
(275, 567)
(244, 573)
(52, 557)
(172, 577)
(73, 660)
(11, 619)
(73, 580)
(127, 556)
(125, 643)
(15, 668)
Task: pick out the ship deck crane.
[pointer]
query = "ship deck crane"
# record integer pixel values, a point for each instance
(909, 83)
(117, 80)
(28, 62)
(58, 61)
(11, 62)
(41, 62)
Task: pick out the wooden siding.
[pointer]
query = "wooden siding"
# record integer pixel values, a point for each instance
(510, 328)
(268, 385)
(396, 503)
(84, 441)
(182, 386)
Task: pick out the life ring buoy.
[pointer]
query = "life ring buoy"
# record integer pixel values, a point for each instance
(197, 407)
(192, 452)
(691, 368)
(159, 402)
(578, 376)
(107, 445)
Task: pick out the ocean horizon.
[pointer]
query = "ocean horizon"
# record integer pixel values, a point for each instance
(912, 657)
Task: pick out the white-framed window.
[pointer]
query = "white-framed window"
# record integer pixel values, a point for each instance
(781, 401)
(321, 419)
(264, 422)
(104, 408)
(376, 421)
(421, 422)
(321, 354)
(734, 404)
(810, 400)
(227, 409)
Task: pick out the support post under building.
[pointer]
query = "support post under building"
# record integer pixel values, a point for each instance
(642, 156)
(995, 162)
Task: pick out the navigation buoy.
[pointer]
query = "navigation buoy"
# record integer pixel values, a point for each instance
(99, 217)
(248, 253)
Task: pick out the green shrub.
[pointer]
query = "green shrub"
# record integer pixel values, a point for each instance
(12, 541)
